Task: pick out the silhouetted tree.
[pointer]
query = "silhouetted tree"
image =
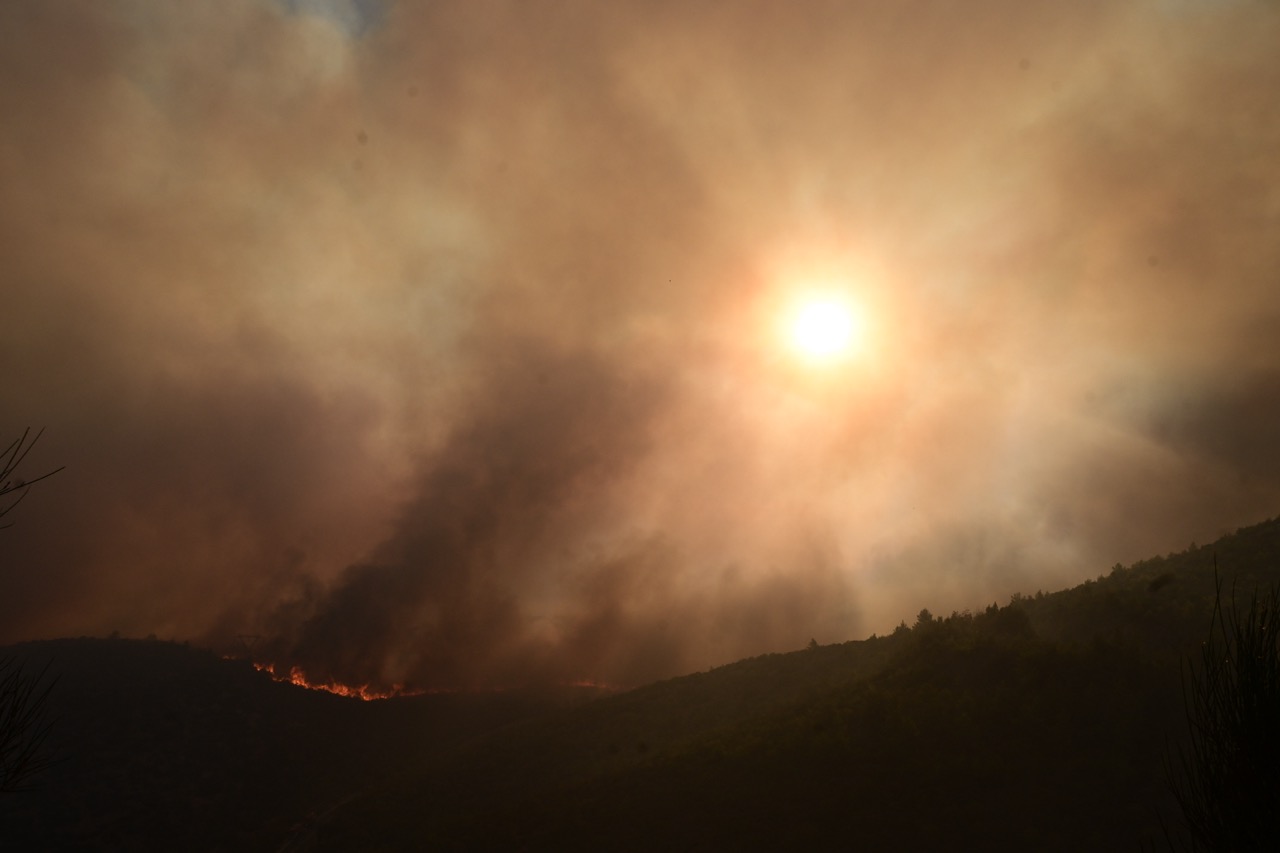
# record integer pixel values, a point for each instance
(1228, 779)
(24, 721)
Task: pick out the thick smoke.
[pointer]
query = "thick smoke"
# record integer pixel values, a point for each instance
(492, 535)
(435, 342)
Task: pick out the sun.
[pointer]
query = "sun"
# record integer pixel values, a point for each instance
(823, 327)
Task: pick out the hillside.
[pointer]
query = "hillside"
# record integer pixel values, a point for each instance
(1043, 724)
(972, 730)
(1040, 724)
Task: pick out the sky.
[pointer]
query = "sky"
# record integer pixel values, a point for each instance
(444, 342)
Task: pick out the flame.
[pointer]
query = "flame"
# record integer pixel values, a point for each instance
(297, 677)
(364, 692)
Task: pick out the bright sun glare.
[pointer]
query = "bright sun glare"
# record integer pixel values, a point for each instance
(823, 328)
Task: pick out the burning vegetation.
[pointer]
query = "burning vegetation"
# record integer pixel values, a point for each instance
(365, 692)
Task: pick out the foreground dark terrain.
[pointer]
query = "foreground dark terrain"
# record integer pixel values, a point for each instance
(1042, 724)
(157, 746)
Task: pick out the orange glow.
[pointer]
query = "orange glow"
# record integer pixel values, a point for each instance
(364, 692)
(603, 686)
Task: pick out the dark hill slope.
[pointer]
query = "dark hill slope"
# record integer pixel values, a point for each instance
(976, 735)
(1040, 725)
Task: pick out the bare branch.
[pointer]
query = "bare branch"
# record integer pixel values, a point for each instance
(10, 459)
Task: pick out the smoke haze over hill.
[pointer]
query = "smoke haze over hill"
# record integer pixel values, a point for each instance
(435, 341)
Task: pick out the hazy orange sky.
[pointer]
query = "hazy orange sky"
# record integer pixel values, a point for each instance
(440, 340)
